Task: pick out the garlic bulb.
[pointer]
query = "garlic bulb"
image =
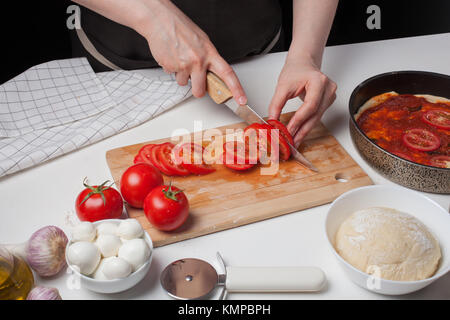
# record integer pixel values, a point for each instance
(44, 293)
(46, 251)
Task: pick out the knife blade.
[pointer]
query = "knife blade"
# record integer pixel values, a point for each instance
(220, 93)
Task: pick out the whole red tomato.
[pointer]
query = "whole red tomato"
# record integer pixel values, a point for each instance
(166, 207)
(137, 181)
(98, 203)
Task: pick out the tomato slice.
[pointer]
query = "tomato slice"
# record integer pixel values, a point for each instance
(437, 118)
(421, 140)
(157, 162)
(138, 159)
(190, 157)
(236, 166)
(284, 132)
(240, 152)
(440, 161)
(165, 157)
(144, 153)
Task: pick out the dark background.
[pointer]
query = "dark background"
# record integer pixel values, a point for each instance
(33, 32)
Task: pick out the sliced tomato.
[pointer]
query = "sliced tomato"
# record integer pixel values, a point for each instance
(190, 157)
(166, 159)
(437, 118)
(145, 152)
(284, 132)
(240, 152)
(440, 161)
(421, 140)
(236, 166)
(156, 162)
(138, 159)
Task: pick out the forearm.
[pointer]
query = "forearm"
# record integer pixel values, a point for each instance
(311, 26)
(135, 14)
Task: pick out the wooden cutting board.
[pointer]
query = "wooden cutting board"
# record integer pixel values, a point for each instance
(226, 199)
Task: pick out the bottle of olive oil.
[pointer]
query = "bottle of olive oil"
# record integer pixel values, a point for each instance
(16, 277)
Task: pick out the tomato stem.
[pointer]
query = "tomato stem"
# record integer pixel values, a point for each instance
(96, 190)
(170, 194)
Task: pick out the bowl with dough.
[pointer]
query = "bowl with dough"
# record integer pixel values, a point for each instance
(388, 239)
(97, 281)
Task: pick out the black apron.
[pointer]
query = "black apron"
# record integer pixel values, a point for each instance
(237, 28)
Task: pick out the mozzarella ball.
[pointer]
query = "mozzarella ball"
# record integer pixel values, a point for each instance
(107, 228)
(130, 229)
(108, 244)
(98, 274)
(84, 255)
(135, 251)
(84, 231)
(116, 268)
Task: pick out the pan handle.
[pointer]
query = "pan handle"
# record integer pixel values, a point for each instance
(275, 279)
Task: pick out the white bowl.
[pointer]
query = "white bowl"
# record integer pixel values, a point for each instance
(426, 210)
(116, 285)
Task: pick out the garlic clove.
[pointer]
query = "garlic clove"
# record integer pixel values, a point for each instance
(98, 273)
(117, 268)
(84, 255)
(44, 293)
(130, 229)
(108, 244)
(135, 251)
(84, 231)
(107, 228)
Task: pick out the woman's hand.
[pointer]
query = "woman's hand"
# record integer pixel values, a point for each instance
(181, 47)
(300, 77)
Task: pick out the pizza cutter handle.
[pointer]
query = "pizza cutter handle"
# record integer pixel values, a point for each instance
(274, 279)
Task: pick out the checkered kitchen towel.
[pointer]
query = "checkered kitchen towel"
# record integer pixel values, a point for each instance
(61, 106)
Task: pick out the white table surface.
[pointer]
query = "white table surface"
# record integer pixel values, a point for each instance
(45, 195)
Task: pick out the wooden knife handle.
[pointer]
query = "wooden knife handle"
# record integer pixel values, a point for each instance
(217, 89)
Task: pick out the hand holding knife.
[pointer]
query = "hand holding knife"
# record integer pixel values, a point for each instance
(220, 93)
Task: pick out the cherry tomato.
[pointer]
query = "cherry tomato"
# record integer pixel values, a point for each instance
(98, 203)
(166, 208)
(190, 156)
(284, 132)
(137, 181)
(440, 161)
(421, 140)
(165, 157)
(437, 118)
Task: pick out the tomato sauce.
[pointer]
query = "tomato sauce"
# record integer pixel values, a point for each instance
(388, 123)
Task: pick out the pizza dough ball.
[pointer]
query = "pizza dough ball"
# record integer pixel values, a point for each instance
(388, 244)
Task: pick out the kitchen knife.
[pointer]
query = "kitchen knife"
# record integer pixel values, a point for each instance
(219, 92)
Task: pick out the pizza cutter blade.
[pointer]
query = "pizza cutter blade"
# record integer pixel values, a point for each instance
(195, 279)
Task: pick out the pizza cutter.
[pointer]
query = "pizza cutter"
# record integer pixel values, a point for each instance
(196, 279)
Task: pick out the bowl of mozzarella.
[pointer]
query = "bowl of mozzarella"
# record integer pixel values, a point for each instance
(389, 239)
(110, 255)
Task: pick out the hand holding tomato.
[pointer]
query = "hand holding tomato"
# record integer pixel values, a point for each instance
(137, 181)
(98, 203)
(166, 207)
